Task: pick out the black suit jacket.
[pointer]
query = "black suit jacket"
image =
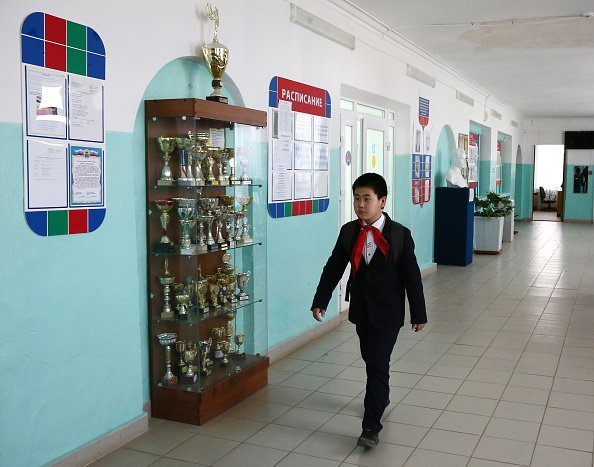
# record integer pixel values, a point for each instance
(378, 288)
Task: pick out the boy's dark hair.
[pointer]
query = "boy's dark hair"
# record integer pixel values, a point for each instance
(374, 181)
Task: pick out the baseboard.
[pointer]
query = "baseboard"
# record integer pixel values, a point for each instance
(104, 445)
(429, 270)
(285, 348)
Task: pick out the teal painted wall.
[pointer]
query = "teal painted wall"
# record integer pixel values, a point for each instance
(486, 177)
(71, 351)
(523, 190)
(419, 219)
(577, 206)
(508, 175)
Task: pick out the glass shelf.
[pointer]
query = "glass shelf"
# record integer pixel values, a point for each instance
(200, 253)
(219, 373)
(195, 317)
(160, 187)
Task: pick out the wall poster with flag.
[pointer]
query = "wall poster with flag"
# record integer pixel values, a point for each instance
(421, 159)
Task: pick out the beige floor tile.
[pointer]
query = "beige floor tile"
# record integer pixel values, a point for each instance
(531, 381)
(323, 369)
(410, 415)
(504, 450)
(281, 437)
(202, 449)
(569, 418)
(424, 458)
(124, 457)
(449, 371)
(472, 405)
(547, 456)
(342, 387)
(477, 389)
(525, 395)
(282, 395)
(512, 429)
(301, 460)
(430, 399)
(301, 381)
(166, 462)
(489, 376)
(405, 435)
(328, 446)
(306, 419)
(461, 422)
(565, 400)
(326, 402)
(247, 455)
(258, 411)
(438, 384)
(405, 380)
(341, 424)
(449, 441)
(383, 454)
(568, 438)
(232, 428)
(574, 386)
(159, 439)
(520, 411)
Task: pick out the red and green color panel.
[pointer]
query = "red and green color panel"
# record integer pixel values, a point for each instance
(297, 208)
(56, 43)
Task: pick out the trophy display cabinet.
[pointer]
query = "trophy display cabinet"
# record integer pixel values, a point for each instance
(206, 221)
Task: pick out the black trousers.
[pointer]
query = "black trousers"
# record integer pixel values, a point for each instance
(376, 345)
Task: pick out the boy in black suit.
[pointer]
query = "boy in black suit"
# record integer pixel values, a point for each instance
(383, 267)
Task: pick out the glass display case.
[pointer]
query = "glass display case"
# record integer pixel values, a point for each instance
(206, 224)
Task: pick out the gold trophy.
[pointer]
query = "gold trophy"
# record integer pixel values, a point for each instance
(205, 361)
(165, 245)
(189, 356)
(180, 347)
(166, 145)
(166, 281)
(216, 56)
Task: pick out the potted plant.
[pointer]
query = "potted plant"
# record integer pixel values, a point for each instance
(488, 222)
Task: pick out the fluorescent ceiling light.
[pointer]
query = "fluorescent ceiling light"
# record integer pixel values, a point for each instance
(495, 114)
(514, 123)
(419, 75)
(464, 98)
(316, 24)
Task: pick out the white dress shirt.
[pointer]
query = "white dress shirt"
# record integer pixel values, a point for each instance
(370, 245)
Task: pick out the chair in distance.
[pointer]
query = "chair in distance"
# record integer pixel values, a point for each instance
(547, 199)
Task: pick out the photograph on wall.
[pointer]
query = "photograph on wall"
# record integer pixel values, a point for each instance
(580, 179)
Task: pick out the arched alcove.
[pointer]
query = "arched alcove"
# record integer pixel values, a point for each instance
(446, 145)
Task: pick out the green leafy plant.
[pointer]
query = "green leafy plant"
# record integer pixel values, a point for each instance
(492, 205)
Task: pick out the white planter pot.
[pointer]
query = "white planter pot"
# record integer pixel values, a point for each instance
(488, 234)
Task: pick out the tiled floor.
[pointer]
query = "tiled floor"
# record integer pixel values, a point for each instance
(503, 374)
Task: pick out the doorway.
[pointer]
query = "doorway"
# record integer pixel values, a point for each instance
(547, 193)
(367, 142)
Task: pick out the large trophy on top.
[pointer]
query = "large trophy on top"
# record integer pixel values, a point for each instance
(216, 56)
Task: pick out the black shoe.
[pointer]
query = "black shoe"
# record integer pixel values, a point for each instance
(368, 439)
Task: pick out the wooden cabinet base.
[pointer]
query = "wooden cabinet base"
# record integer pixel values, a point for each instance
(199, 407)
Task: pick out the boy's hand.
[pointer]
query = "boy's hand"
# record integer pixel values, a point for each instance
(318, 313)
(418, 327)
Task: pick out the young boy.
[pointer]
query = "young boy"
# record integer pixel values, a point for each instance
(377, 284)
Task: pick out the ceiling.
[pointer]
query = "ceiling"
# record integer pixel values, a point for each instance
(540, 64)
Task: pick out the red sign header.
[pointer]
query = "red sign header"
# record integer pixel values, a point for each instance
(305, 98)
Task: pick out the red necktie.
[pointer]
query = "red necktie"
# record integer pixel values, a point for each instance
(378, 238)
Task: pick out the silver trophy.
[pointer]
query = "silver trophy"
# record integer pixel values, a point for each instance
(166, 145)
(167, 339)
(186, 210)
(186, 158)
(242, 281)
